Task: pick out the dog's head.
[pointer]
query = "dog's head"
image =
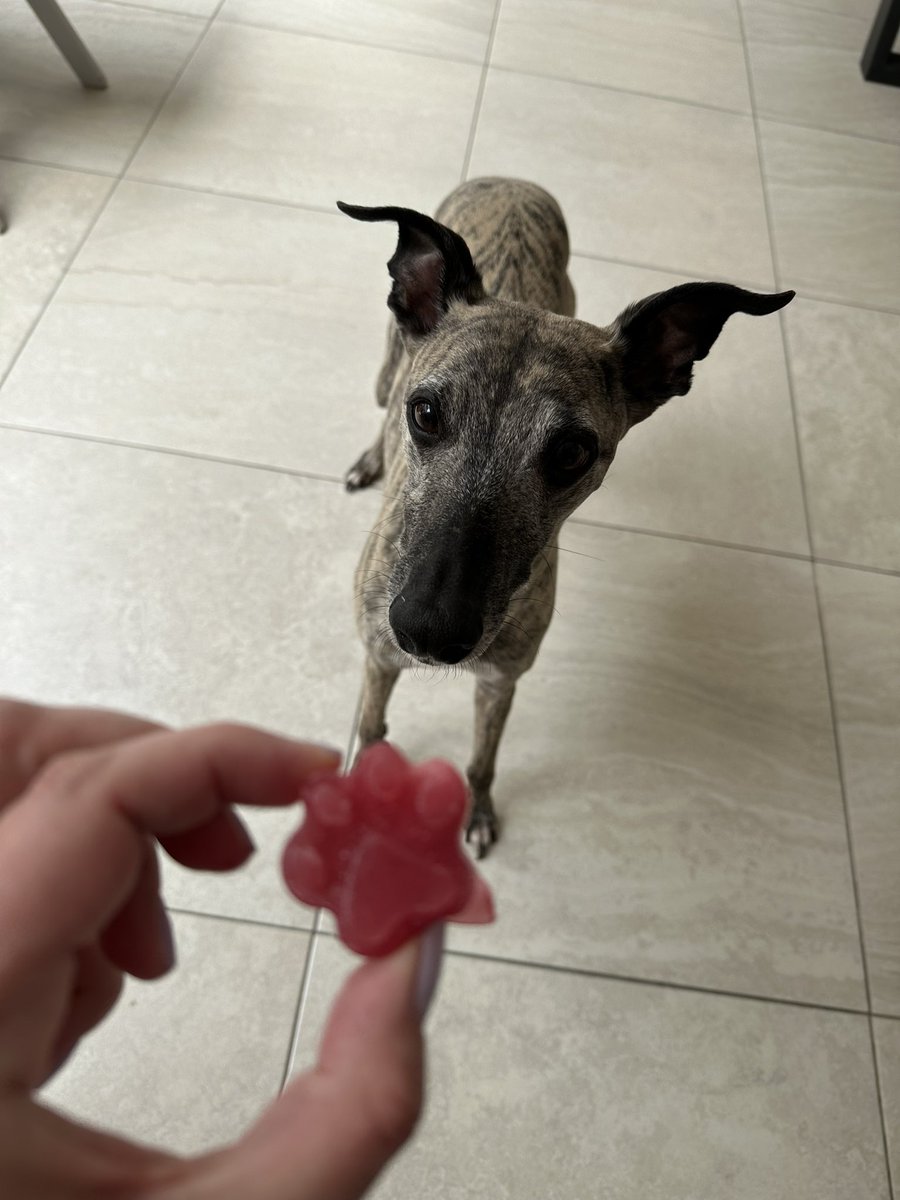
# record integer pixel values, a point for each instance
(512, 418)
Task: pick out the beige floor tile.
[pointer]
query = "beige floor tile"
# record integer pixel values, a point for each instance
(48, 116)
(845, 364)
(650, 181)
(224, 326)
(187, 590)
(542, 1083)
(48, 212)
(834, 213)
(805, 67)
(336, 120)
(862, 617)
(188, 1062)
(887, 1040)
(864, 9)
(687, 49)
(445, 28)
(667, 783)
(190, 8)
(720, 463)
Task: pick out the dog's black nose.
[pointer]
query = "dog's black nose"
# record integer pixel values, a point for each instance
(430, 631)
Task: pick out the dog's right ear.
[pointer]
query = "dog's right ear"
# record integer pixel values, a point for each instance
(431, 267)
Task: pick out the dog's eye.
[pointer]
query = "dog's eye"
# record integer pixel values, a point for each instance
(425, 416)
(567, 459)
(571, 456)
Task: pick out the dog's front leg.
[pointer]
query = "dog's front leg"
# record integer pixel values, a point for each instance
(368, 468)
(378, 683)
(493, 700)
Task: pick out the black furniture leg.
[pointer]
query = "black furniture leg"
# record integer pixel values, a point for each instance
(879, 62)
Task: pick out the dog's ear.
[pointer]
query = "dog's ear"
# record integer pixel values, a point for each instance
(661, 338)
(430, 268)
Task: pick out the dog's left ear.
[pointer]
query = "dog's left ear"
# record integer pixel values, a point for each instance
(661, 338)
(431, 267)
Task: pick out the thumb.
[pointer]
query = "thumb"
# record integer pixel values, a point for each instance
(333, 1130)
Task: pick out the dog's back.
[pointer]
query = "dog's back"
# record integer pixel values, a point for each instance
(518, 240)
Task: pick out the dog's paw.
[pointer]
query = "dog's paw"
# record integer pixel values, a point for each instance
(482, 832)
(365, 471)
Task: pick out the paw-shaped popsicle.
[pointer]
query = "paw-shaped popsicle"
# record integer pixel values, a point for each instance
(381, 849)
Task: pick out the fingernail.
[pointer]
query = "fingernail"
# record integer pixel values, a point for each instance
(166, 939)
(428, 968)
(331, 759)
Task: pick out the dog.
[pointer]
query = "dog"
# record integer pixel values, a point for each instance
(503, 413)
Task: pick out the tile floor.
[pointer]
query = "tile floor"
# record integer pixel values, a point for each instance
(698, 885)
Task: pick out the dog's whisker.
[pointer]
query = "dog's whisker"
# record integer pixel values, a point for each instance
(393, 545)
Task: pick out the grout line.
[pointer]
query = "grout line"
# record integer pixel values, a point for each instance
(848, 133)
(809, 528)
(305, 980)
(200, 456)
(76, 250)
(644, 981)
(224, 193)
(795, 556)
(759, 153)
(322, 477)
(752, 284)
(112, 191)
(825, 12)
(153, 8)
(860, 304)
(256, 922)
(666, 984)
(586, 972)
(696, 539)
(834, 562)
(848, 825)
(55, 166)
(820, 615)
(884, 1136)
(839, 758)
(826, 657)
(349, 41)
(479, 95)
(624, 91)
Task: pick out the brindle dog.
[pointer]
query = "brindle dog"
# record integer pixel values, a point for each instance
(503, 414)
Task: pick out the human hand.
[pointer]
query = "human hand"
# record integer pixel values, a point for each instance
(84, 798)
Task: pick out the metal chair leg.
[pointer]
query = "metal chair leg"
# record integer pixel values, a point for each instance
(69, 43)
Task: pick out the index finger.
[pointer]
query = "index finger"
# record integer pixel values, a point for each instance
(32, 734)
(72, 850)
